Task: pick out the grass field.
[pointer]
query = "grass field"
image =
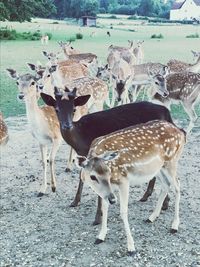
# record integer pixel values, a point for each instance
(15, 54)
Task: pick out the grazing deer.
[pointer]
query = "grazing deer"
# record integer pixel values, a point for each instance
(80, 134)
(43, 123)
(183, 87)
(180, 66)
(3, 131)
(133, 156)
(44, 39)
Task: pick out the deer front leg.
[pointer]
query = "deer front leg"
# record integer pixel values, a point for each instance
(56, 145)
(98, 212)
(149, 190)
(189, 109)
(70, 160)
(78, 194)
(43, 149)
(102, 235)
(124, 195)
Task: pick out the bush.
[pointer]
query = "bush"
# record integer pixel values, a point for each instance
(79, 36)
(159, 36)
(6, 34)
(112, 17)
(55, 22)
(195, 35)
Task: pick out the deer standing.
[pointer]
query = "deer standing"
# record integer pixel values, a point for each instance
(133, 156)
(180, 66)
(81, 133)
(43, 122)
(3, 131)
(183, 87)
(138, 52)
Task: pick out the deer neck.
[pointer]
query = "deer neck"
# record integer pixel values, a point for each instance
(32, 108)
(195, 67)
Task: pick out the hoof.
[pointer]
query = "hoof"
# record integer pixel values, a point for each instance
(74, 204)
(148, 221)
(53, 189)
(40, 194)
(131, 253)
(143, 199)
(173, 231)
(67, 170)
(98, 241)
(96, 222)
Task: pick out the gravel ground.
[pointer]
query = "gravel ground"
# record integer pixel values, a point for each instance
(44, 232)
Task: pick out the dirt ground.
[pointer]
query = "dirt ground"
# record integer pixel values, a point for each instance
(44, 232)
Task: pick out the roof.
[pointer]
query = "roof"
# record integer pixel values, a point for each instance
(178, 5)
(89, 17)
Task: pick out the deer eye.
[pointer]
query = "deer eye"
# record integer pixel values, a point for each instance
(48, 75)
(157, 83)
(33, 83)
(93, 178)
(17, 83)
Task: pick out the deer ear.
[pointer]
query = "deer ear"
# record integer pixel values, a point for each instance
(31, 66)
(48, 100)
(53, 68)
(81, 100)
(45, 53)
(12, 73)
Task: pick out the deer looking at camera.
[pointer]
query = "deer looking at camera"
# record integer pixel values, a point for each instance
(183, 87)
(133, 156)
(43, 124)
(80, 134)
(3, 131)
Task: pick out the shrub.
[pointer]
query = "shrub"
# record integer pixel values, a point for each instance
(112, 17)
(195, 35)
(79, 36)
(55, 22)
(159, 36)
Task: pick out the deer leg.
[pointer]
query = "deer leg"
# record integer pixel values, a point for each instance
(98, 215)
(149, 190)
(103, 231)
(189, 109)
(43, 149)
(77, 198)
(56, 145)
(124, 195)
(70, 160)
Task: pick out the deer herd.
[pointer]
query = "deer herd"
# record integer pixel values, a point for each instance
(129, 142)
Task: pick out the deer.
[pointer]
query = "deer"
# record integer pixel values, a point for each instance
(44, 39)
(183, 87)
(138, 52)
(43, 122)
(76, 55)
(80, 134)
(4, 137)
(180, 66)
(69, 68)
(133, 156)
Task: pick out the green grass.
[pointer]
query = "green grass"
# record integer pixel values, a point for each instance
(15, 54)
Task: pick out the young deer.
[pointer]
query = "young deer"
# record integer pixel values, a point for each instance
(68, 49)
(43, 123)
(81, 133)
(180, 66)
(3, 131)
(139, 52)
(183, 87)
(134, 155)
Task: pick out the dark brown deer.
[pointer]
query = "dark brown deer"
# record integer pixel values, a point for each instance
(81, 133)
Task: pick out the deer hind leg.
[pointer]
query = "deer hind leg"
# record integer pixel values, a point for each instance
(102, 235)
(189, 109)
(43, 149)
(124, 195)
(149, 190)
(165, 184)
(77, 198)
(55, 147)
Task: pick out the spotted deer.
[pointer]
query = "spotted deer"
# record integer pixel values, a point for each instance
(183, 87)
(43, 122)
(3, 131)
(179, 66)
(133, 156)
(68, 68)
(80, 134)
(68, 49)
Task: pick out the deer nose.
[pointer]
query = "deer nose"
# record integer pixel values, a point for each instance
(118, 99)
(66, 126)
(20, 96)
(111, 198)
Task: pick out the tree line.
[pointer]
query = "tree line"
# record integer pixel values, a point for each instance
(24, 10)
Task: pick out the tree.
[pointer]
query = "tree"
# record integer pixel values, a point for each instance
(21, 10)
(90, 7)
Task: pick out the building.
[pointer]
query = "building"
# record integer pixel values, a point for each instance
(87, 21)
(185, 10)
